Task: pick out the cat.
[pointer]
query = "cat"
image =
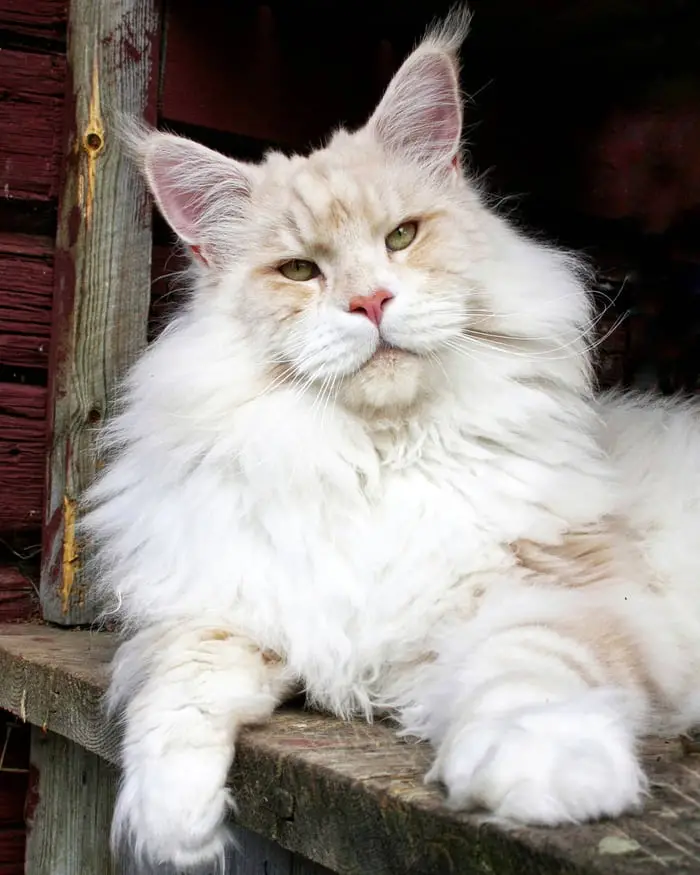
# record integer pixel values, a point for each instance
(368, 460)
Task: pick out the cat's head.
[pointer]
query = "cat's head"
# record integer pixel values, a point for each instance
(355, 267)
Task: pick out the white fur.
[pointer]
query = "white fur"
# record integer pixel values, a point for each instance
(284, 504)
(529, 765)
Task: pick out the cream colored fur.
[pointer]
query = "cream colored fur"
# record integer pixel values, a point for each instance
(436, 516)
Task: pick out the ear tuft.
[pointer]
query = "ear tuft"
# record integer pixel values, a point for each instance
(448, 34)
(420, 115)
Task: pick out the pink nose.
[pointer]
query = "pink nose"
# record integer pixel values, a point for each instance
(371, 306)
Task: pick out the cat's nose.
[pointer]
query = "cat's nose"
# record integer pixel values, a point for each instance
(371, 306)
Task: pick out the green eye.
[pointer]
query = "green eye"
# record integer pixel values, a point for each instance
(298, 270)
(401, 237)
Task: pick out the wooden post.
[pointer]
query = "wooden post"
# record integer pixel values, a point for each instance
(257, 855)
(70, 811)
(71, 803)
(102, 268)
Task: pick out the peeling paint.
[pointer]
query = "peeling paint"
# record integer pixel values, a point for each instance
(70, 553)
(93, 144)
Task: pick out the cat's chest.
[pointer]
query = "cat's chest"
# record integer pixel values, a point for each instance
(381, 575)
(344, 569)
(420, 528)
(418, 511)
(426, 512)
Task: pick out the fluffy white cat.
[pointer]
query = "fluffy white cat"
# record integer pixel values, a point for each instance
(367, 460)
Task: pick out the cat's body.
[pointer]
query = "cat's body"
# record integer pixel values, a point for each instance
(415, 505)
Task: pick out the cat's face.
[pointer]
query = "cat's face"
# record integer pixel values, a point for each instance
(353, 273)
(351, 267)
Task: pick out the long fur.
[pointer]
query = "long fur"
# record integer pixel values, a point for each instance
(437, 517)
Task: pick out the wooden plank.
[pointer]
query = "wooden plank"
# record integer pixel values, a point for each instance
(22, 455)
(43, 19)
(102, 275)
(12, 842)
(13, 787)
(256, 855)
(350, 796)
(55, 679)
(30, 123)
(26, 288)
(18, 596)
(69, 830)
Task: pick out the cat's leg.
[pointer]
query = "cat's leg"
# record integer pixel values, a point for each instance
(184, 690)
(532, 725)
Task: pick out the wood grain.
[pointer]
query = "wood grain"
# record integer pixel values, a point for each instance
(26, 288)
(42, 19)
(12, 843)
(22, 455)
(256, 855)
(350, 796)
(69, 830)
(18, 596)
(102, 274)
(32, 87)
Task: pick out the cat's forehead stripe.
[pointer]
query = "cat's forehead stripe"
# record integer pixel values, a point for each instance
(327, 201)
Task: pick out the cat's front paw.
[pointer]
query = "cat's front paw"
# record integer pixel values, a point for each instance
(545, 765)
(173, 809)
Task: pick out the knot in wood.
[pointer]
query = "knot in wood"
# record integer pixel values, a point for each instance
(93, 142)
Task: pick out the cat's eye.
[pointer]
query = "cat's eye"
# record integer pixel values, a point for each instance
(299, 270)
(402, 236)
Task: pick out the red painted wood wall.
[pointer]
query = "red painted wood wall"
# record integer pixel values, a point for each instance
(32, 82)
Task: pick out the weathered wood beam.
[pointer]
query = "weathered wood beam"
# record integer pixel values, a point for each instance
(102, 269)
(69, 824)
(68, 831)
(350, 796)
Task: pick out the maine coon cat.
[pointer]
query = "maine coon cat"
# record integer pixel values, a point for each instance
(367, 460)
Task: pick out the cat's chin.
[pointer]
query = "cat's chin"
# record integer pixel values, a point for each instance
(391, 378)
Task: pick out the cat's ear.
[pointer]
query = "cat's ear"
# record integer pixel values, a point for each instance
(420, 115)
(202, 194)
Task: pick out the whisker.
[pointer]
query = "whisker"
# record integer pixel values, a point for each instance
(580, 335)
(504, 344)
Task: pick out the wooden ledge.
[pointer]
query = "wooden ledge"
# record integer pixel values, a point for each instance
(351, 797)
